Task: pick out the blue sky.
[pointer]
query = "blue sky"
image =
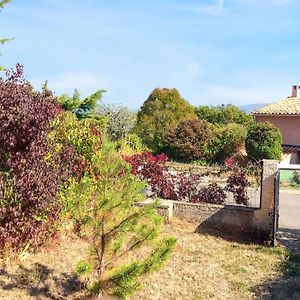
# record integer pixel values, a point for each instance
(212, 51)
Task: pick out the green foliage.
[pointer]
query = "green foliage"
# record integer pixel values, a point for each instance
(83, 136)
(224, 114)
(102, 202)
(70, 103)
(82, 268)
(125, 279)
(120, 121)
(83, 108)
(131, 144)
(164, 107)
(228, 140)
(189, 140)
(3, 2)
(264, 141)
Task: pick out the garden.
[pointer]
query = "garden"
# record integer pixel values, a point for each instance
(73, 170)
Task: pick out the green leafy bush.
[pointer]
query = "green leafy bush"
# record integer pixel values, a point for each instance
(264, 141)
(164, 107)
(229, 139)
(224, 114)
(189, 140)
(131, 144)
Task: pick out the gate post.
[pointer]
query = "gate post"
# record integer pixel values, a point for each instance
(264, 216)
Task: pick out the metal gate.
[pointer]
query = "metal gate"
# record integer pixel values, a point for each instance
(275, 213)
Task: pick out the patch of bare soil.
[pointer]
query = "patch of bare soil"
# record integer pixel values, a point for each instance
(48, 274)
(201, 267)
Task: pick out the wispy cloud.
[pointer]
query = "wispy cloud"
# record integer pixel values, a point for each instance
(214, 8)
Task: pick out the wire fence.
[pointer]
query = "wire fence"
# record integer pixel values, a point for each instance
(219, 176)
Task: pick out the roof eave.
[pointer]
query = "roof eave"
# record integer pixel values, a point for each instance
(274, 115)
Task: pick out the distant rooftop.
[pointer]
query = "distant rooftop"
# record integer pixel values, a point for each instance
(287, 106)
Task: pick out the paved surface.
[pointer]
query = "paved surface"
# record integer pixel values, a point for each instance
(289, 209)
(289, 219)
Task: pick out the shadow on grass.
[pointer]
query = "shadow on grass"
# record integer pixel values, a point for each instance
(231, 233)
(40, 282)
(287, 286)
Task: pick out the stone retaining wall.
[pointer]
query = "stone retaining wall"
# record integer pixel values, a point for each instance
(251, 222)
(234, 219)
(257, 222)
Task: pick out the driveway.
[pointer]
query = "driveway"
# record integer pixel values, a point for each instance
(289, 209)
(289, 219)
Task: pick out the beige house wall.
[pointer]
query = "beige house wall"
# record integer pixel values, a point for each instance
(290, 158)
(288, 125)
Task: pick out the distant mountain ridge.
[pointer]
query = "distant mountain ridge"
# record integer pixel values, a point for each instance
(249, 108)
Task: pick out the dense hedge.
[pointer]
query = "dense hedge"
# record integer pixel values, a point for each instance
(228, 141)
(264, 141)
(224, 114)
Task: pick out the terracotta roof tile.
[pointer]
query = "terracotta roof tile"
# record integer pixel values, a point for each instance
(287, 106)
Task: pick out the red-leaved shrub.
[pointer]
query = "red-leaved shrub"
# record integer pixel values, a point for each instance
(29, 178)
(185, 186)
(213, 193)
(237, 183)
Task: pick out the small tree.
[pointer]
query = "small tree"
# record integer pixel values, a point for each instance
(264, 141)
(103, 202)
(164, 107)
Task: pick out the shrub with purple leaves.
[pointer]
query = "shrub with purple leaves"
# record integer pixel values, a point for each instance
(184, 185)
(29, 182)
(213, 193)
(237, 183)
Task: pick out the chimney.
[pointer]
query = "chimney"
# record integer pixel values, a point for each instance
(295, 90)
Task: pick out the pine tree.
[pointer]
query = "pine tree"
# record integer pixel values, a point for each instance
(103, 203)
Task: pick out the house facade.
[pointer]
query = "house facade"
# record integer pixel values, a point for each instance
(285, 115)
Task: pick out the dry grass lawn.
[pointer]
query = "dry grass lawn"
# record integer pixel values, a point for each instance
(201, 267)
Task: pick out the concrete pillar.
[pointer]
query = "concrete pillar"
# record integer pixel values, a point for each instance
(263, 216)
